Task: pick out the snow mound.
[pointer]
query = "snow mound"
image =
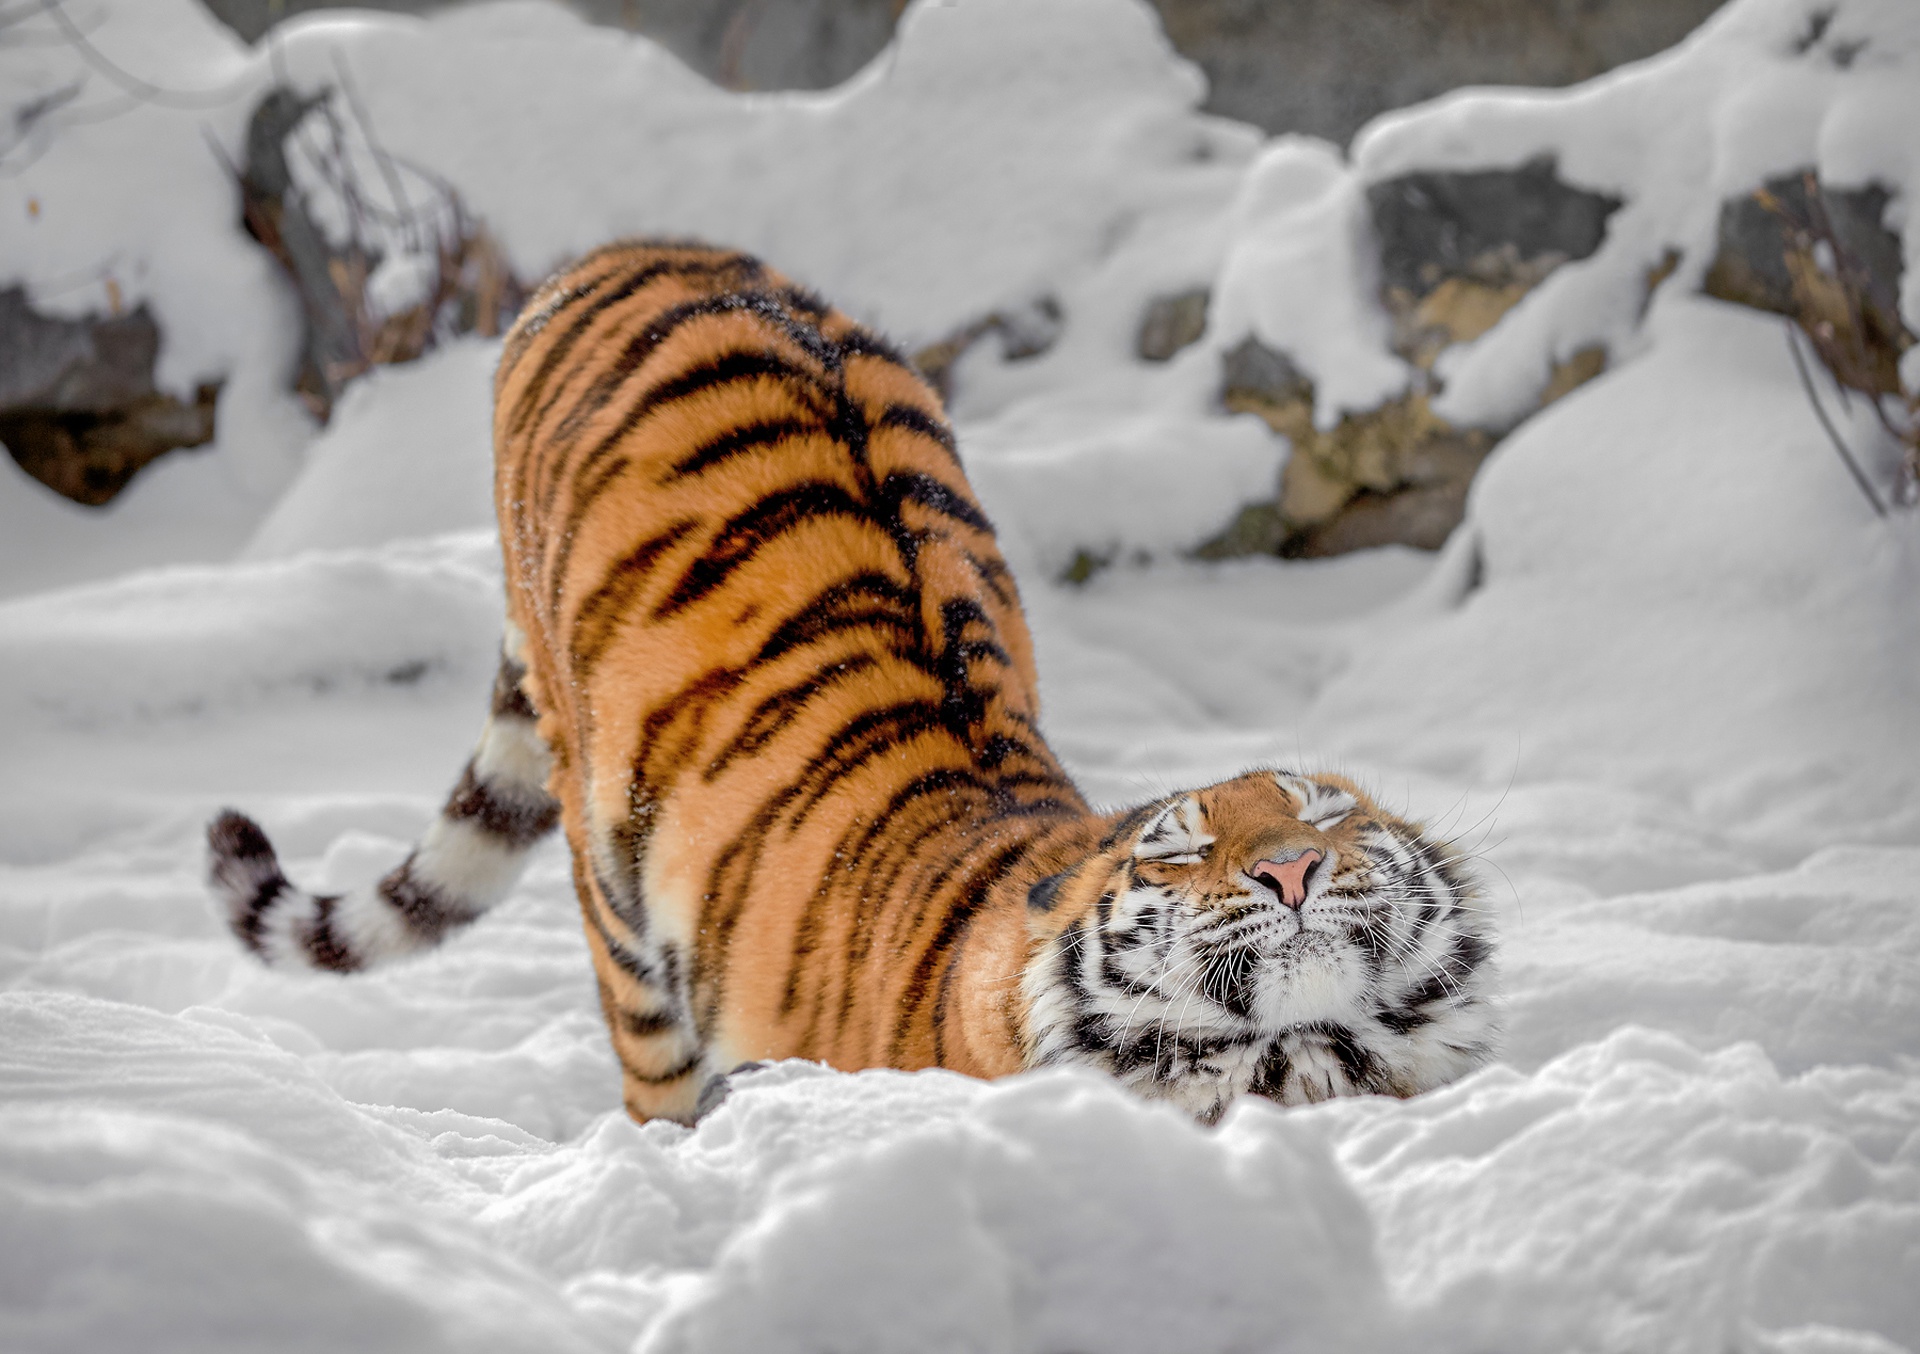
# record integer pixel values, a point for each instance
(409, 452)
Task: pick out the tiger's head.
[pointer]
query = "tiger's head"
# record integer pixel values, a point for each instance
(1277, 935)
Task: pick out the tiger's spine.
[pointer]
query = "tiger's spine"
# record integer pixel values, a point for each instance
(468, 860)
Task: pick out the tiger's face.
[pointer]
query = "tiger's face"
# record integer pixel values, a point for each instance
(1274, 934)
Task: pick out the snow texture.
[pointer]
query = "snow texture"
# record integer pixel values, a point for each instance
(1664, 683)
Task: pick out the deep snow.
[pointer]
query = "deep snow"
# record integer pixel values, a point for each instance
(1665, 683)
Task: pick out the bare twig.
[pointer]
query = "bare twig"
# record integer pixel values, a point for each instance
(144, 90)
(395, 189)
(1820, 412)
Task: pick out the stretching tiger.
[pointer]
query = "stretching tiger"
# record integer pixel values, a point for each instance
(765, 666)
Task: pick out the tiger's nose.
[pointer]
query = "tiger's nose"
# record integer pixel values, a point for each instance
(1287, 878)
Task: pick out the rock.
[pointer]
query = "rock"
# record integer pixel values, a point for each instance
(1170, 323)
(1478, 224)
(1458, 250)
(79, 410)
(1395, 474)
(1255, 377)
(1576, 371)
(1024, 331)
(1824, 258)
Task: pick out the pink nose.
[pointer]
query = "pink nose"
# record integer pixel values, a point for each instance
(1288, 878)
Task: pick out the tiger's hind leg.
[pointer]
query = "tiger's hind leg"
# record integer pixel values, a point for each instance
(466, 863)
(643, 987)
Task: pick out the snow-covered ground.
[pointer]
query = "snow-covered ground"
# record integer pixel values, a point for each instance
(1664, 683)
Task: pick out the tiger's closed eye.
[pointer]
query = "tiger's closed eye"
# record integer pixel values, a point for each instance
(1174, 855)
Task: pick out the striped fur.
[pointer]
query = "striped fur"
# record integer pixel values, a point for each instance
(468, 860)
(787, 718)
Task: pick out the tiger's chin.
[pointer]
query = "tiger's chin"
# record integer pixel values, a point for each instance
(1311, 978)
(1315, 1034)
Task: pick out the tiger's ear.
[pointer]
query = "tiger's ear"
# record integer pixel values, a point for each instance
(1056, 901)
(1042, 895)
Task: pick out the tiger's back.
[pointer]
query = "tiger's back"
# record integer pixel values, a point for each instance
(783, 670)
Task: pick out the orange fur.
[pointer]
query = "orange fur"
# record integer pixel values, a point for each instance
(721, 770)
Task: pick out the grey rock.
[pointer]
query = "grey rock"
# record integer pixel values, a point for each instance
(1170, 323)
(73, 366)
(1757, 232)
(1433, 225)
(1326, 67)
(1251, 371)
(78, 407)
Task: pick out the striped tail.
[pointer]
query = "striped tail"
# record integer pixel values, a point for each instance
(464, 865)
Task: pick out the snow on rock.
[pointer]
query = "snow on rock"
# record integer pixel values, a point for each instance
(114, 200)
(1663, 686)
(1759, 90)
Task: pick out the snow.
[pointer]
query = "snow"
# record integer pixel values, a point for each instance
(1664, 684)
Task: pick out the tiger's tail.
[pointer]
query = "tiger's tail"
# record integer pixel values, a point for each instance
(466, 863)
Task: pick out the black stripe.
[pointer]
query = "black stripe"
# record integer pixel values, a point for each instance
(1403, 1019)
(1467, 953)
(863, 342)
(509, 700)
(912, 486)
(1363, 1071)
(587, 492)
(609, 605)
(614, 375)
(587, 489)
(629, 963)
(736, 543)
(647, 1024)
(1270, 1077)
(870, 734)
(777, 711)
(324, 946)
(900, 853)
(426, 908)
(674, 1073)
(953, 929)
(249, 920)
(518, 816)
(866, 600)
(917, 420)
(246, 871)
(657, 759)
(1128, 823)
(563, 344)
(727, 369)
(999, 747)
(735, 442)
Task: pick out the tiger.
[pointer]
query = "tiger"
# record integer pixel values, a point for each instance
(766, 668)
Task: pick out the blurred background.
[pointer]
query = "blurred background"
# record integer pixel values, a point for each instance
(1323, 67)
